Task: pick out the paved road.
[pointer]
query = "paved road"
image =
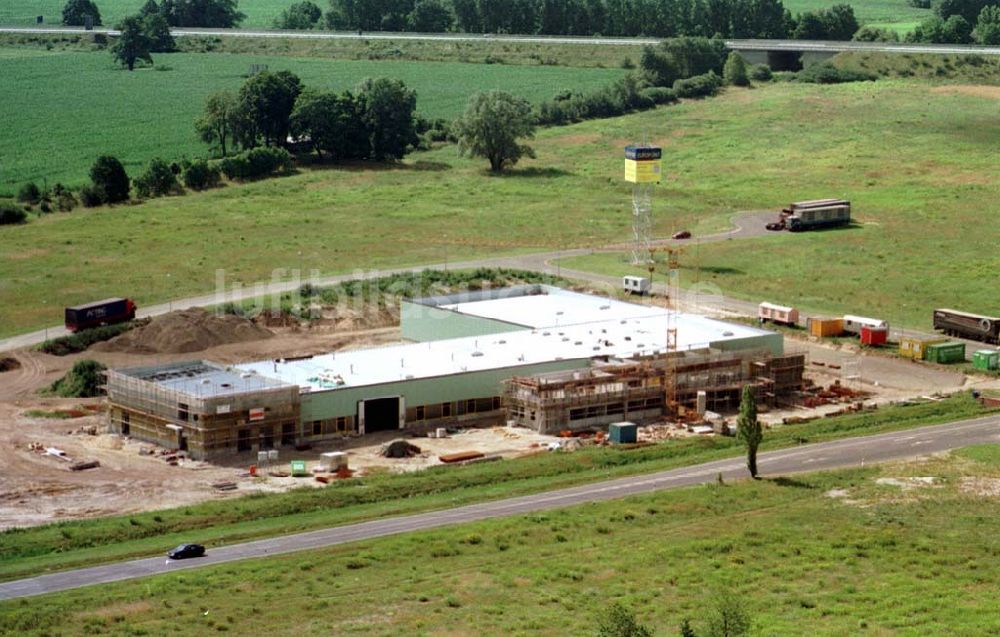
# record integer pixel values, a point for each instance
(823, 456)
(739, 45)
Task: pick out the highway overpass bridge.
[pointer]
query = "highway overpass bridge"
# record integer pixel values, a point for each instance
(788, 54)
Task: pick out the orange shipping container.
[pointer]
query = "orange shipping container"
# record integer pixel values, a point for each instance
(826, 326)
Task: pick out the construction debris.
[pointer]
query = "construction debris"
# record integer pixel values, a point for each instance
(400, 448)
(224, 485)
(84, 464)
(461, 456)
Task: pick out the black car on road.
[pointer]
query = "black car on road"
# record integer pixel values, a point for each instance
(185, 551)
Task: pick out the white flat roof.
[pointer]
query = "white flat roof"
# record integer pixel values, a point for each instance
(554, 307)
(617, 338)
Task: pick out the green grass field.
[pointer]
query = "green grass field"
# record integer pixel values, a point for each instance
(917, 161)
(66, 545)
(839, 553)
(261, 13)
(65, 108)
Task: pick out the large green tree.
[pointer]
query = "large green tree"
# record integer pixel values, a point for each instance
(749, 430)
(110, 179)
(218, 124)
(331, 123)
(430, 16)
(132, 44)
(300, 16)
(202, 13)
(157, 31)
(988, 25)
(493, 123)
(75, 12)
(387, 110)
(265, 102)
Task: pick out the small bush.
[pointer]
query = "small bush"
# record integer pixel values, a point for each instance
(64, 199)
(826, 73)
(659, 94)
(157, 180)
(29, 193)
(83, 339)
(91, 196)
(704, 85)
(84, 380)
(200, 175)
(109, 175)
(761, 73)
(11, 214)
(256, 163)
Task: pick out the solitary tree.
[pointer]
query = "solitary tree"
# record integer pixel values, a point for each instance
(75, 12)
(492, 124)
(728, 618)
(110, 179)
(749, 431)
(618, 621)
(735, 71)
(217, 124)
(132, 44)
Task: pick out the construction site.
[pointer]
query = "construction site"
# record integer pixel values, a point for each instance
(457, 377)
(536, 356)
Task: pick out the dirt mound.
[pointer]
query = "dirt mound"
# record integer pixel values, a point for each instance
(190, 330)
(9, 364)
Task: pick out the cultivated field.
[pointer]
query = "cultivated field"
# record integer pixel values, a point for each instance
(64, 108)
(905, 550)
(261, 13)
(917, 161)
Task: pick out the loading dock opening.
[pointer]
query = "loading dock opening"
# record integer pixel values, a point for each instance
(380, 414)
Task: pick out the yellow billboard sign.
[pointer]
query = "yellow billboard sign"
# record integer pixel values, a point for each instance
(642, 172)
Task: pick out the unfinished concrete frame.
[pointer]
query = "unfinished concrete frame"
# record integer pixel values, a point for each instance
(635, 390)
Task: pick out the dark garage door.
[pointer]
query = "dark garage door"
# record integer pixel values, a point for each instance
(381, 414)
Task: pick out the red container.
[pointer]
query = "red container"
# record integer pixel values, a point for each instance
(874, 336)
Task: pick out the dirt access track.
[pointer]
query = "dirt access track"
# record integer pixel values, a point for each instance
(39, 488)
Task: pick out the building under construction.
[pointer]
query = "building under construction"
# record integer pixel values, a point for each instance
(541, 356)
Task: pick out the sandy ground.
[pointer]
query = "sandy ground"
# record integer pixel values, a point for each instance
(38, 488)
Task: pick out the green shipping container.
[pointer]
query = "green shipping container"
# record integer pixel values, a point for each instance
(623, 432)
(946, 353)
(986, 359)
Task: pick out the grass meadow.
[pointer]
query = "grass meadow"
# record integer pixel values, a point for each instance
(29, 551)
(259, 13)
(917, 161)
(856, 552)
(65, 108)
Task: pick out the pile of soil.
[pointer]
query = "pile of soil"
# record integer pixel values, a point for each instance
(9, 364)
(191, 330)
(400, 448)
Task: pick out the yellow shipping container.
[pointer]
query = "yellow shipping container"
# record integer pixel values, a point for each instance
(916, 348)
(826, 326)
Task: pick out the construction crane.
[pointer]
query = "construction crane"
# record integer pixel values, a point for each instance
(673, 299)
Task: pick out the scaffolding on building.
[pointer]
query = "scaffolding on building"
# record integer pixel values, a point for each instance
(635, 390)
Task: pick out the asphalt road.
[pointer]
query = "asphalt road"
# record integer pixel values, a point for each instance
(739, 45)
(849, 452)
